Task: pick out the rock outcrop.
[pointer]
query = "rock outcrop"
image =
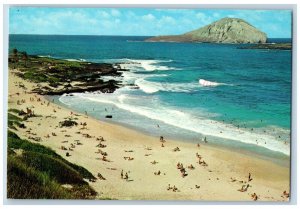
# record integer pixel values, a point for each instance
(226, 30)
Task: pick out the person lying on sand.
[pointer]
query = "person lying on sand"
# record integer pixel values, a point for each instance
(63, 148)
(100, 176)
(244, 188)
(104, 158)
(197, 186)
(154, 162)
(175, 189)
(232, 179)
(191, 167)
(176, 149)
(179, 165)
(203, 163)
(100, 138)
(286, 194)
(254, 196)
(198, 156)
(126, 176)
(101, 145)
(128, 158)
(157, 173)
(128, 150)
(102, 152)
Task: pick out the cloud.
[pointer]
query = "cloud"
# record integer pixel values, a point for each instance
(148, 17)
(203, 18)
(167, 20)
(137, 21)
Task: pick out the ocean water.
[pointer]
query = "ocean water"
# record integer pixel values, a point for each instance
(245, 102)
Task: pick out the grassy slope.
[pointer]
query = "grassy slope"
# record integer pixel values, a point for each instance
(37, 172)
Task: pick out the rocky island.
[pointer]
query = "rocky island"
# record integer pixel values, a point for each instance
(226, 30)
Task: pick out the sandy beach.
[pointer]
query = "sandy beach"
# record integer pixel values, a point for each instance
(151, 165)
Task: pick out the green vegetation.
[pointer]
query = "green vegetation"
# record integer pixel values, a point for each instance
(25, 182)
(37, 172)
(14, 121)
(16, 111)
(14, 142)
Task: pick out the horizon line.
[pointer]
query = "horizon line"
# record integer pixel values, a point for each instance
(100, 35)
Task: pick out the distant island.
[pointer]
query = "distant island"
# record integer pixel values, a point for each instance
(226, 30)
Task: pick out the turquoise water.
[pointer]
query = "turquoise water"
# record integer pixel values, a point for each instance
(248, 107)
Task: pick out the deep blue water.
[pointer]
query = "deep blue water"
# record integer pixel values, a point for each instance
(249, 107)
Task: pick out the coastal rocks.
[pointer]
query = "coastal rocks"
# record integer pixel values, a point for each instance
(274, 46)
(226, 30)
(66, 77)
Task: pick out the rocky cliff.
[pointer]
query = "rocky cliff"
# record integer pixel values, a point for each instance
(226, 30)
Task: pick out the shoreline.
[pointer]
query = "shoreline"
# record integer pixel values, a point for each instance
(223, 170)
(280, 159)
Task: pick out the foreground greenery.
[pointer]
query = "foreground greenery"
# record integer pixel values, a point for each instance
(37, 172)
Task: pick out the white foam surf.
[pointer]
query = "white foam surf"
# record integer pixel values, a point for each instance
(152, 87)
(208, 83)
(76, 60)
(186, 120)
(145, 65)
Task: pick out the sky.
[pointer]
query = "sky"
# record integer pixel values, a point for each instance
(138, 21)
